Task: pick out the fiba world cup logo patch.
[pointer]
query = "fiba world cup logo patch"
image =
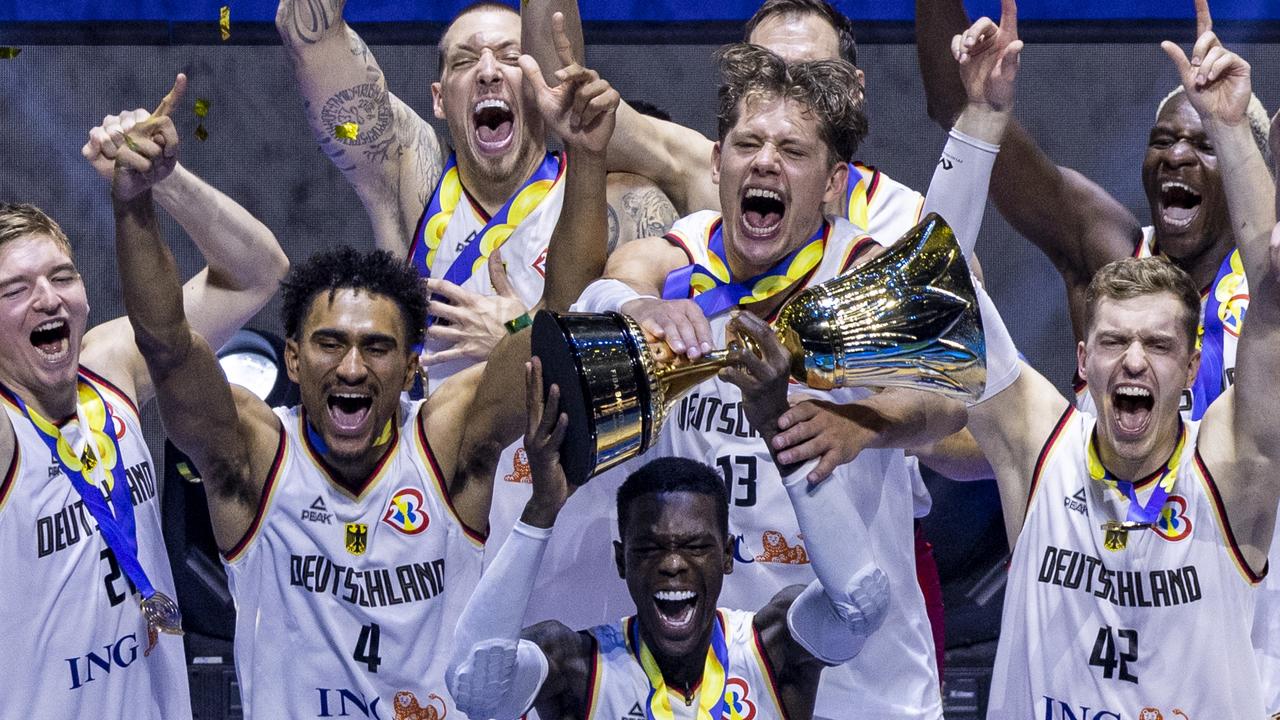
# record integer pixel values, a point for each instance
(738, 705)
(1173, 523)
(407, 512)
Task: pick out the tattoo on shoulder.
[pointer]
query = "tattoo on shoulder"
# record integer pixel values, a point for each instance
(650, 210)
(367, 105)
(357, 45)
(613, 228)
(309, 19)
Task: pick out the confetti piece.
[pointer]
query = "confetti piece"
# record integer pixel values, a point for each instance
(202, 107)
(346, 131)
(224, 22)
(201, 133)
(9, 53)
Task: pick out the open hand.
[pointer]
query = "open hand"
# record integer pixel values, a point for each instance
(988, 55)
(475, 322)
(679, 323)
(581, 109)
(544, 432)
(147, 151)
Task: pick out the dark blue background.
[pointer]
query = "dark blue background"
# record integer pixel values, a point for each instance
(613, 10)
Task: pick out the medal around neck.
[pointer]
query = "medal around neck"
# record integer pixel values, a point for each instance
(162, 615)
(908, 318)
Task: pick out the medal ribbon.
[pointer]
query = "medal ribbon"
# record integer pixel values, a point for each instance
(714, 290)
(711, 703)
(82, 458)
(1225, 306)
(445, 200)
(856, 206)
(1149, 513)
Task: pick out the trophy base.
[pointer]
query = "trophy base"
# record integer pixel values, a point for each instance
(597, 362)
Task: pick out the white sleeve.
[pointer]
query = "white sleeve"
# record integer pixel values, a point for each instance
(492, 672)
(1003, 364)
(958, 191)
(833, 617)
(606, 295)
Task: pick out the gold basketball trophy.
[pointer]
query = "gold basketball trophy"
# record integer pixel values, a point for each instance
(908, 318)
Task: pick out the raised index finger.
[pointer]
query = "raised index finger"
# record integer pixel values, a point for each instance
(1204, 21)
(1009, 16)
(564, 48)
(174, 96)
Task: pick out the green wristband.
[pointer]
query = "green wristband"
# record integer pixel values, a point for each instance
(517, 324)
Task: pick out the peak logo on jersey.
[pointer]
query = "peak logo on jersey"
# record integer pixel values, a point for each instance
(407, 512)
(1075, 502)
(520, 471)
(737, 703)
(317, 513)
(777, 550)
(1173, 524)
(1151, 713)
(635, 713)
(407, 707)
(357, 538)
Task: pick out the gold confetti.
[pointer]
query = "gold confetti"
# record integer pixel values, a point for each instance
(9, 53)
(224, 22)
(346, 131)
(202, 107)
(201, 133)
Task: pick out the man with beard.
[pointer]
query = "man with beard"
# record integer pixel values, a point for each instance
(352, 525)
(74, 569)
(674, 550)
(476, 223)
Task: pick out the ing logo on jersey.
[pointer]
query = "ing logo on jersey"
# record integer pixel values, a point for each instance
(357, 538)
(407, 512)
(1173, 523)
(777, 550)
(407, 707)
(737, 702)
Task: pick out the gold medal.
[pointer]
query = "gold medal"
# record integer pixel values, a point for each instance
(162, 615)
(1115, 534)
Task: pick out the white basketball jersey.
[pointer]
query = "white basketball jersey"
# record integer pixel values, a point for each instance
(895, 675)
(346, 605)
(73, 632)
(885, 208)
(524, 253)
(620, 689)
(1157, 628)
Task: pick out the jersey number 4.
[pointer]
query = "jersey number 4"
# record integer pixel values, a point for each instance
(367, 647)
(1108, 656)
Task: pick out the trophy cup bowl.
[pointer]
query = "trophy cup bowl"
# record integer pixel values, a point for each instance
(908, 318)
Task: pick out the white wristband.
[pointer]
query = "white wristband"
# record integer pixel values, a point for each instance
(606, 295)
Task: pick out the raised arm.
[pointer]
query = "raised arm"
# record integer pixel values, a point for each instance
(580, 110)
(1073, 221)
(244, 261)
(676, 158)
(493, 673)
(394, 161)
(231, 438)
(1217, 82)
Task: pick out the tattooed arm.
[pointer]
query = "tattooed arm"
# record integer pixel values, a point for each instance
(394, 161)
(637, 209)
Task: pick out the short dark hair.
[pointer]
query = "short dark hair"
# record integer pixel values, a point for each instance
(830, 88)
(669, 475)
(1135, 277)
(344, 268)
(836, 19)
(473, 7)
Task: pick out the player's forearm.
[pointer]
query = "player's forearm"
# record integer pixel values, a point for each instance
(1250, 190)
(241, 252)
(937, 21)
(905, 418)
(151, 284)
(576, 254)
